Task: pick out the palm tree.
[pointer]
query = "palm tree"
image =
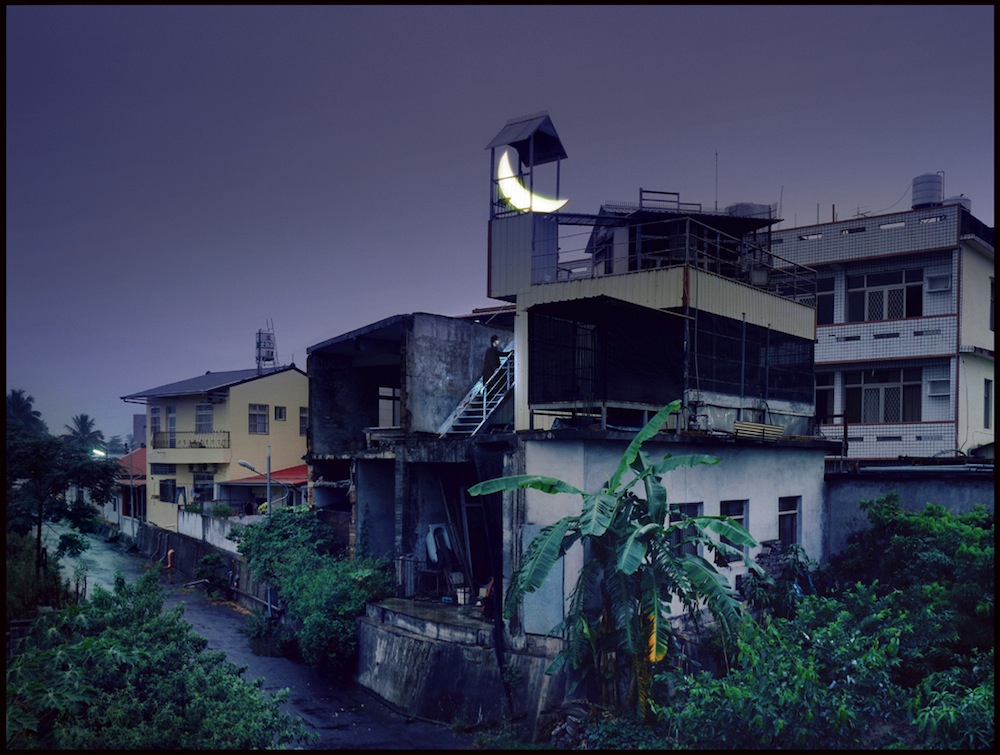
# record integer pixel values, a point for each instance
(22, 416)
(618, 621)
(82, 434)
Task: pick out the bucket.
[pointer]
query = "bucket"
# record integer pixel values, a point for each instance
(463, 596)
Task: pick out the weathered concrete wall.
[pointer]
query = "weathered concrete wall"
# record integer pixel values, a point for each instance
(450, 673)
(342, 402)
(956, 491)
(376, 508)
(444, 357)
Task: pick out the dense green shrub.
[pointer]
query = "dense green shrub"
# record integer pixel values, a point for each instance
(323, 590)
(931, 555)
(894, 649)
(119, 673)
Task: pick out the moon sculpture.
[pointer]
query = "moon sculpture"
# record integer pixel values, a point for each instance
(518, 196)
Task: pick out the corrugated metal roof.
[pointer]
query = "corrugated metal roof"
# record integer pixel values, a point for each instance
(210, 381)
(137, 465)
(519, 134)
(297, 475)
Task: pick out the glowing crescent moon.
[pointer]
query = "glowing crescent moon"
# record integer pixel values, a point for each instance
(517, 195)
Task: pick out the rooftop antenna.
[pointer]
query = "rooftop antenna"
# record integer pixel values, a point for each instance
(716, 180)
(267, 352)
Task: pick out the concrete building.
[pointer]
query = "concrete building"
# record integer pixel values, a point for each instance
(613, 316)
(904, 329)
(200, 428)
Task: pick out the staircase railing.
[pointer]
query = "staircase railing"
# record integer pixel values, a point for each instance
(481, 401)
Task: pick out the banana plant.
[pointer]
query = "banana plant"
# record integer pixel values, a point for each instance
(617, 623)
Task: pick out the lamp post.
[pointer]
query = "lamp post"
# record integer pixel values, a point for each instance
(248, 465)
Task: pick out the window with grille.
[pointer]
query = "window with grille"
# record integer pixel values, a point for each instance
(887, 395)
(204, 421)
(890, 295)
(154, 421)
(788, 519)
(737, 511)
(279, 414)
(258, 419)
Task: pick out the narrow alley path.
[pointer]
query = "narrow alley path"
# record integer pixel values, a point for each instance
(343, 715)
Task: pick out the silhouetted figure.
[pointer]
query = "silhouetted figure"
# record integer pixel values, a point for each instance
(491, 359)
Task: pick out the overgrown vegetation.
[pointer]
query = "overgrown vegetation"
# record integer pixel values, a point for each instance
(891, 646)
(322, 590)
(637, 562)
(116, 672)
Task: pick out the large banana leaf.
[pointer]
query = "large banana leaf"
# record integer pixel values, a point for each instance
(598, 511)
(725, 527)
(652, 428)
(534, 481)
(635, 547)
(714, 589)
(657, 625)
(669, 463)
(542, 554)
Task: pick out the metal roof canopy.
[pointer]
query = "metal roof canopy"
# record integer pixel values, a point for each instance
(534, 137)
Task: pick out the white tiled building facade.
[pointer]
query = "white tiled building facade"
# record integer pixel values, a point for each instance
(905, 329)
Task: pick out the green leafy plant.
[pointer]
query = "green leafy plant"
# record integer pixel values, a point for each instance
(618, 622)
(323, 590)
(222, 510)
(119, 673)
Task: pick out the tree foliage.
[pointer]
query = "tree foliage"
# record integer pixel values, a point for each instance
(119, 673)
(42, 468)
(893, 650)
(618, 621)
(323, 590)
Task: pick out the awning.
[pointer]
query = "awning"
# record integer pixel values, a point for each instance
(293, 476)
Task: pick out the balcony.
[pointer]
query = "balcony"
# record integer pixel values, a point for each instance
(191, 440)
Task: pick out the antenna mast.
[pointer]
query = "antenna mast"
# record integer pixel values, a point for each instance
(267, 352)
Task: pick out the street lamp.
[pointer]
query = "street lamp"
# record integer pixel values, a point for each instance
(248, 465)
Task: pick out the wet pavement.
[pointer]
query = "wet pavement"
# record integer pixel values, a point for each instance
(343, 715)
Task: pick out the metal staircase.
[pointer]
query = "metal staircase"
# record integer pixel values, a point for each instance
(478, 405)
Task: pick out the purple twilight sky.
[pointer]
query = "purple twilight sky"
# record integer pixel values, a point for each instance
(180, 176)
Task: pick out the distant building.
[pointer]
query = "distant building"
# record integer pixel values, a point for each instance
(904, 330)
(200, 428)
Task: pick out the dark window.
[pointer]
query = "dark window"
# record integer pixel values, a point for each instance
(204, 486)
(987, 404)
(824, 301)
(824, 398)
(735, 510)
(279, 414)
(168, 491)
(788, 519)
(678, 513)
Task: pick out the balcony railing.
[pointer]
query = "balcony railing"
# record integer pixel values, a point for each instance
(184, 439)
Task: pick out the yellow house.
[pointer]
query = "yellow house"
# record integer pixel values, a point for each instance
(199, 430)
